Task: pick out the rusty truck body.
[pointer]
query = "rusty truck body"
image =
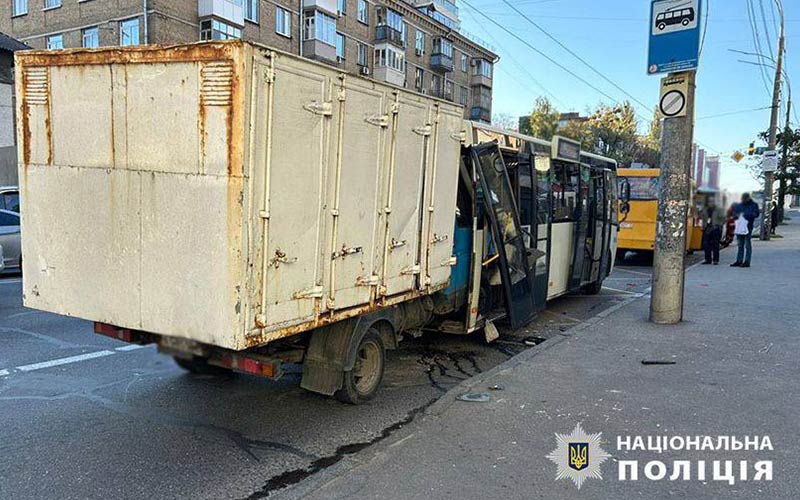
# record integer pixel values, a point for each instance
(244, 208)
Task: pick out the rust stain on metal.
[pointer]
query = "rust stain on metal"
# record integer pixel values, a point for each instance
(201, 51)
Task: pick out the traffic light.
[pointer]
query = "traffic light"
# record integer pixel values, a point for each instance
(752, 149)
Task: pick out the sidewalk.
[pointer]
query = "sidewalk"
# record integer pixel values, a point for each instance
(736, 374)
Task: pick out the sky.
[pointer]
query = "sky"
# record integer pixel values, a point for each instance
(612, 36)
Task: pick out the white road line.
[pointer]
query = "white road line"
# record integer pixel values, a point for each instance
(628, 292)
(13, 280)
(3, 373)
(64, 361)
(130, 347)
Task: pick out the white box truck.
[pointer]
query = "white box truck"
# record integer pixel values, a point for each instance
(218, 197)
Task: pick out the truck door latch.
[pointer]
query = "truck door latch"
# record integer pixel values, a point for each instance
(281, 258)
(345, 251)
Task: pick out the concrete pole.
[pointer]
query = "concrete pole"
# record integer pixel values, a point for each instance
(769, 177)
(666, 302)
(785, 159)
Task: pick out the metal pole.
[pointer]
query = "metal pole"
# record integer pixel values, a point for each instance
(785, 160)
(666, 302)
(144, 13)
(769, 177)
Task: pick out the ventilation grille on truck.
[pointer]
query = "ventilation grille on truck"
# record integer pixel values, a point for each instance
(36, 85)
(216, 80)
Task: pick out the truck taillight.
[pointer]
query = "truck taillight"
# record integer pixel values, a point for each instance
(263, 367)
(123, 334)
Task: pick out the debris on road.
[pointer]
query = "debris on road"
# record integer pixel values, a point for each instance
(478, 397)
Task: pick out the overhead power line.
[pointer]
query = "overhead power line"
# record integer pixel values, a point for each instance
(576, 56)
(731, 113)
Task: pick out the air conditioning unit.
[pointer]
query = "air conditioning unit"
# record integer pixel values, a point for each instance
(364, 70)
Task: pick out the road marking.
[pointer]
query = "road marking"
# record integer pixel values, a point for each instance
(69, 360)
(12, 280)
(64, 361)
(130, 347)
(628, 292)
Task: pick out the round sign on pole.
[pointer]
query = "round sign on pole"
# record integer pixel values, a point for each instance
(673, 103)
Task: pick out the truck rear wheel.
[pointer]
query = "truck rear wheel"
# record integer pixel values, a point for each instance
(199, 366)
(362, 382)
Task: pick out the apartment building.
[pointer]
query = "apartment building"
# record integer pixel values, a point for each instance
(416, 44)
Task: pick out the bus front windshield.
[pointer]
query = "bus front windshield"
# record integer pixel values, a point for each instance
(642, 188)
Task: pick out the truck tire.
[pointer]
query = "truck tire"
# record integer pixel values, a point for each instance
(199, 366)
(362, 382)
(593, 288)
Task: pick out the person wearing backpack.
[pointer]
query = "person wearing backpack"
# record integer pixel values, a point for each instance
(745, 214)
(713, 221)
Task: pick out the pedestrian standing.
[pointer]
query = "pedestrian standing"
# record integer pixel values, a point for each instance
(713, 220)
(745, 214)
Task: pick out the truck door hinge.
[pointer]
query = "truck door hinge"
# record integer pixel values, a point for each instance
(438, 239)
(424, 130)
(324, 108)
(411, 270)
(312, 293)
(459, 136)
(378, 120)
(269, 75)
(368, 280)
(452, 261)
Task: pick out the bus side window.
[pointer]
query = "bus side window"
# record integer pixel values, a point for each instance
(565, 191)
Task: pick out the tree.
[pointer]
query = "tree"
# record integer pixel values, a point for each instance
(505, 121)
(579, 130)
(544, 120)
(615, 132)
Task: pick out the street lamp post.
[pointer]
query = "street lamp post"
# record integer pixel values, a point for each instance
(769, 177)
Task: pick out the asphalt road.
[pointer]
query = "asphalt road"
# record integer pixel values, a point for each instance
(84, 416)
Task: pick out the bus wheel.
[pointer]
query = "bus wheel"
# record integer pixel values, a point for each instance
(362, 382)
(200, 366)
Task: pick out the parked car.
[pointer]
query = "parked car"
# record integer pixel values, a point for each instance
(2, 264)
(10, 239)
(9, 198)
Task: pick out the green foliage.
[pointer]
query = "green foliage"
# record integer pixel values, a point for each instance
(544, 119)
(610, 130)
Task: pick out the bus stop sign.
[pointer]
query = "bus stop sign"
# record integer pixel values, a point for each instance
(674, 36)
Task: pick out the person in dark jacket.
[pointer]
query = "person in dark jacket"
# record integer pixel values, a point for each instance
(713, 221)
(749, 209)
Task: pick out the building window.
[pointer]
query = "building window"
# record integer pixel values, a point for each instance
(283, 22)
(129, 32)
(483, 68)
(251, 10)
(91, 37)
(340, 43)
(320, 26)
(436, 85)
(362, 54)
(341, 7)
(390, 57)
(52, 4)
(363, 11)
(419, 80)
(443, 46)
(464, 63)
(55, 42)
(419, 43)
(20, 7)
(463, 98)
(448, 90)
(211, 29)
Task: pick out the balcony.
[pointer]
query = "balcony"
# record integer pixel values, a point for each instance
(385, 33)
(442, 62)
(329, 6)
(226, 10)
(480, 114)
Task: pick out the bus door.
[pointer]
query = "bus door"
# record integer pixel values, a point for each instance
(581, 257)
(503, 218)
(542, 227)
(597, 244)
